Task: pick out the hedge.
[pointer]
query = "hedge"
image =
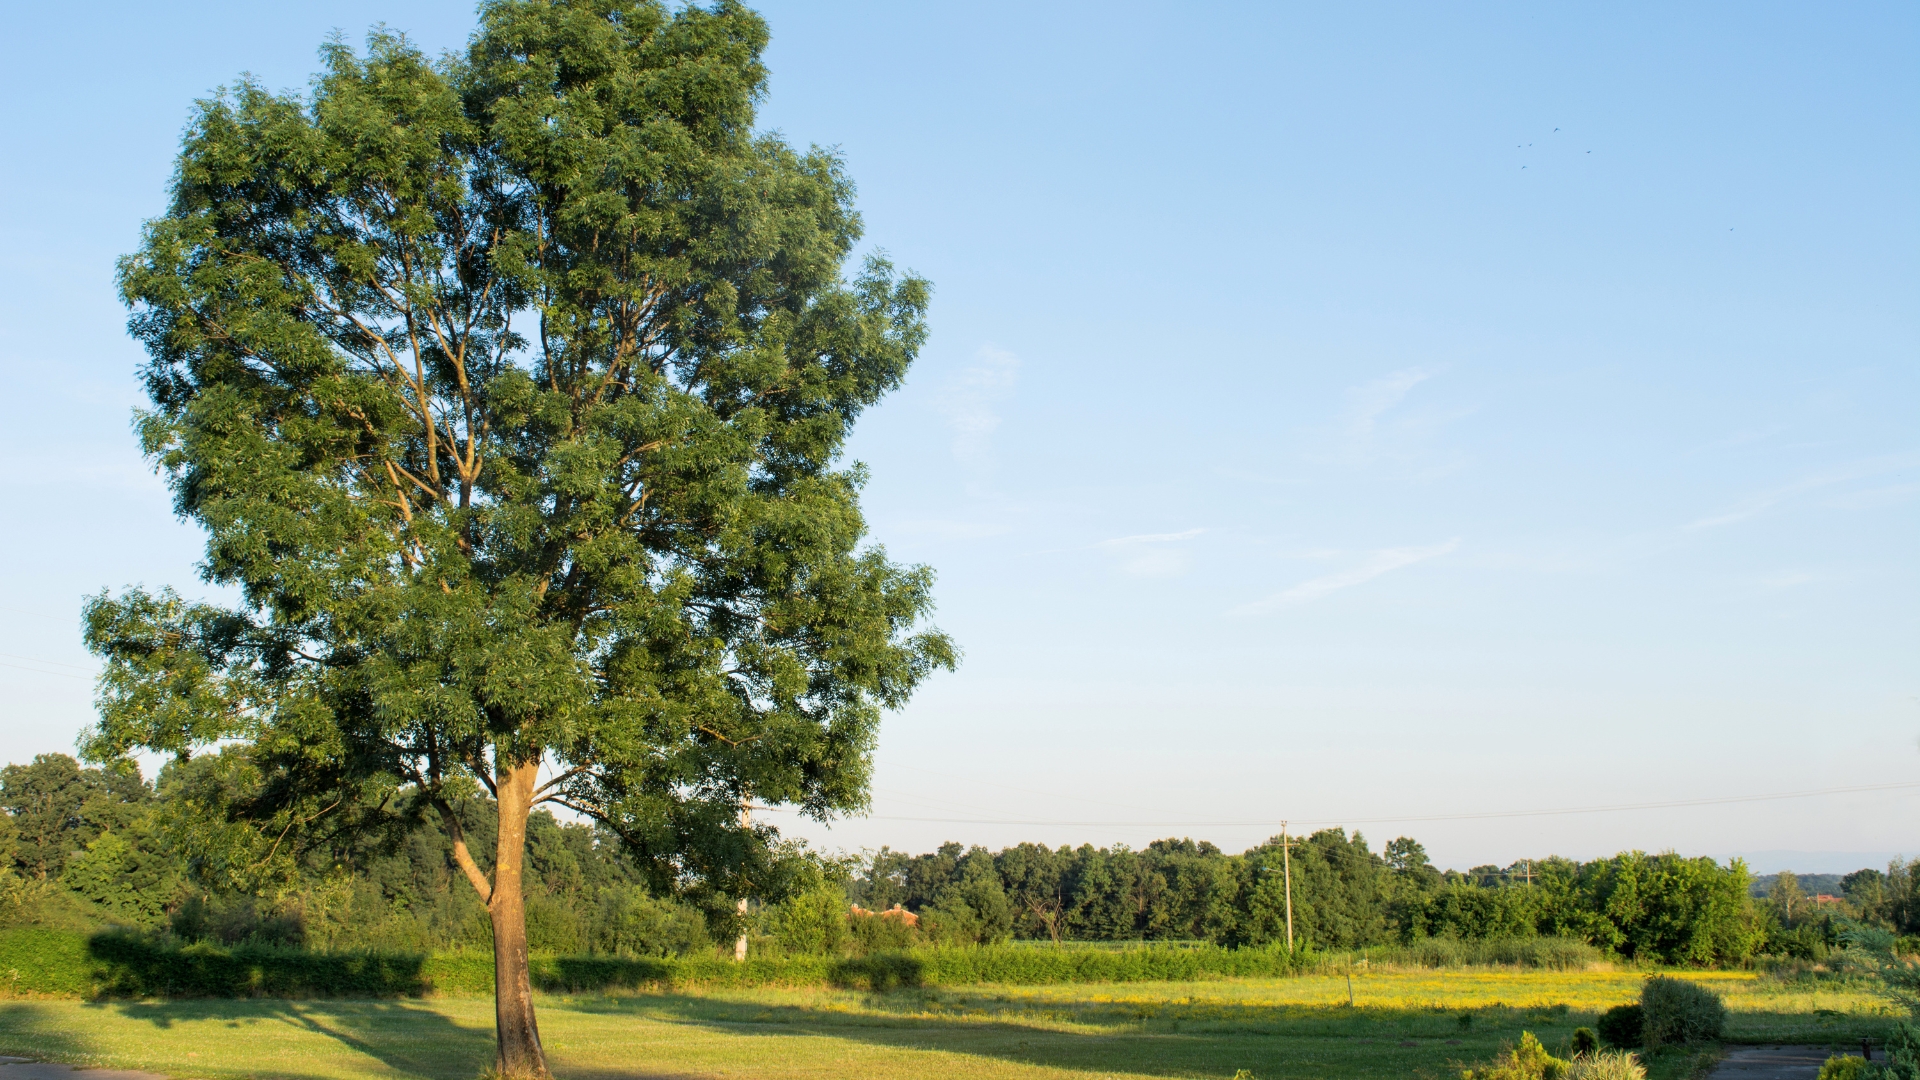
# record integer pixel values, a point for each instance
(35, 961)
(39, 961)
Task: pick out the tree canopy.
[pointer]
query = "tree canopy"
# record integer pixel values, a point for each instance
(510, 390)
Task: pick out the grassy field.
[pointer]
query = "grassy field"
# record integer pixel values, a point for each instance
(1402, 1024)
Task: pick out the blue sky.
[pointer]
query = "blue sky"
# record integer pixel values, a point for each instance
(1333, 413)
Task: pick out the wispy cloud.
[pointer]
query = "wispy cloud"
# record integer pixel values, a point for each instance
(1380, 562)
(1150, 554)
(1374, 424)
(1766, 500)
(1151, 538)
(1367, 401)
(971, 401)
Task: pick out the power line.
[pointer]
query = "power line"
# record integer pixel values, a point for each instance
(1614, 808)
(41, 671)
(49, 663)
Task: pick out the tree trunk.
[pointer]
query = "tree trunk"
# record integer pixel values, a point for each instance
(517, 1035)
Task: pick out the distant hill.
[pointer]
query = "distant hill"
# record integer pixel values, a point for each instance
(1809, 884)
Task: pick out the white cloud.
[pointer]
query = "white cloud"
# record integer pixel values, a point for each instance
(970, 400)
(1380, 562)
(1147, 554)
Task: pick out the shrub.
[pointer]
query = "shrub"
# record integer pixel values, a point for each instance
(813, 922)
(1549, 953)
(1526, 1061)
(1678, 1011)
(874, 931)
(1903, 1053)
(125, 965)
(632, 923)
(1849, 1067)
(1623, 1026)
(1585, 1041)
(1607, 1065)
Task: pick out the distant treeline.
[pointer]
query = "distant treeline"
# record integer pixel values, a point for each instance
(85, 849)
(1661, 908)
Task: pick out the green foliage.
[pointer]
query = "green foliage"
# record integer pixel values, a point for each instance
(1676, 1011)
(119, 964)
(54, 808)
(1525, 1060)
(971, 908)
(511, 391)
(1663, 908)
(1585, 1041)
(1896, 974)
(1844, 1067)
(814, 922)
(130, 881)
(1890, 900)
(632, 923)
(1339, 892)
(1460, 911)
(1903, 1052)
(386, 880)
(1552, 954)
(1623, 1026)
(36, 960)
(883, 932)
(1655, 908)
(129, 966)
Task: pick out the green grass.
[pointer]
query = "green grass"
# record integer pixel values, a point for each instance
(1403, 1024)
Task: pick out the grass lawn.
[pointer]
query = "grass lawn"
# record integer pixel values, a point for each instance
(1411, 1024)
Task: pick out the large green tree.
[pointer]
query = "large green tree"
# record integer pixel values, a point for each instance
(510, 390)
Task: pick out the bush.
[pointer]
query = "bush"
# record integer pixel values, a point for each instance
(1623, 1026)
(1548, 953)
(237, 920)
(632, 923)
(875, 931)
(1678, 1011)
(1526, 1061)
(813, 923)
(1585, 1041)
(1903, 1053)
(35, 960)
(1607, 1065)
(1849, 1067)
(128, 966)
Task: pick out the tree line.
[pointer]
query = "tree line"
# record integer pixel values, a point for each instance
(89, 847)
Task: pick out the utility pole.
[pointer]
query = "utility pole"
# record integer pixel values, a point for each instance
(740, 943)
(1286, 863)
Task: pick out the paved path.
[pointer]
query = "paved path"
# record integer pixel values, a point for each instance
(22, 1069)
(1757, 1063)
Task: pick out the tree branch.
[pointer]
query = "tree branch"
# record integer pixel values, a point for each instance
(460, 853)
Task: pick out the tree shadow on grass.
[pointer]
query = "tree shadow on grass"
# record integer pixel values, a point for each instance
(1169, 1038)
(1173, 1039)
(1164, 1038)
(409, 1038)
